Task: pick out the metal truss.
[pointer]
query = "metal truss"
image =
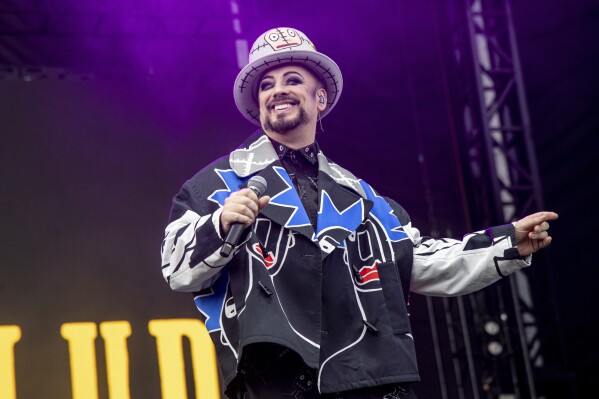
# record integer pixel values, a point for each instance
(505, 136)
(505, 124)
(487, 344)
(506, 186)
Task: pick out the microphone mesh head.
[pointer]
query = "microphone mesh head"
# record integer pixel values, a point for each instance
(258, 185)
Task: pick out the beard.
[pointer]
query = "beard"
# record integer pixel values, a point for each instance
(283, 124)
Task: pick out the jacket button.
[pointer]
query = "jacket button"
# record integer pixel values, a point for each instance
(370, 327)
(265, 289)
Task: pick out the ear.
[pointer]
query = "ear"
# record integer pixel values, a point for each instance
(321, 99)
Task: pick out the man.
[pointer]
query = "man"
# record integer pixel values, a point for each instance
(312, 303)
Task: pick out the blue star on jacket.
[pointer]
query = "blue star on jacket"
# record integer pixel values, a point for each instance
(329, 216)
(383, 212)
(232, 182)
(288, 198)
(211, 304)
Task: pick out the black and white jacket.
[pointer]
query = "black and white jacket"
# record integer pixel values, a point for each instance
(337, 295)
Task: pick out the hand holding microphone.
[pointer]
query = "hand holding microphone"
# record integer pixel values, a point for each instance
(240, 211)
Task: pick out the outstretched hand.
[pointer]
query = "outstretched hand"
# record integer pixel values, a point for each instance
(531, 232)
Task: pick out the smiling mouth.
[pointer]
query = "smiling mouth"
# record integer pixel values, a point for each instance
(282, 106)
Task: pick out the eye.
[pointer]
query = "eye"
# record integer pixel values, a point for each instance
(294, 81)
(291, 32)
(265, 85)
(274, 37)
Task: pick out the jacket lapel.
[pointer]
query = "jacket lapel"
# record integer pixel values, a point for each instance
(341, 202)
(257, 156)
(285, 206)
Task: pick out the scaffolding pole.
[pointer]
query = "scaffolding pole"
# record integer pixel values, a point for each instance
(500, 149)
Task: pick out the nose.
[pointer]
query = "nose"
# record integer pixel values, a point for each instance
(279, 89)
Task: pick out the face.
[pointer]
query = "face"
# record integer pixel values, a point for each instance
(289, 98)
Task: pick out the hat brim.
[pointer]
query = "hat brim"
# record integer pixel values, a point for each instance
(245, 91)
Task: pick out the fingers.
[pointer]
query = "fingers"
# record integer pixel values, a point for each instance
(228, 218)
(539, 231)
(240, 199)
(540, 244)
(237, 211)
(241, 207)
(540, 217)
(546, 242)
(244, 192)
(541, 227)
(536, 221)
(538, 236)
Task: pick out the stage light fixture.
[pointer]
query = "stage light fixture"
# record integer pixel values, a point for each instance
(491, 327)
(495, 348)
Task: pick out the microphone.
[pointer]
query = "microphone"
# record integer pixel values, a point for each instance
(258, 185)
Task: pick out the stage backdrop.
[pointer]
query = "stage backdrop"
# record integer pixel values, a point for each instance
(87, 178)
(89, 164)
(88, 171)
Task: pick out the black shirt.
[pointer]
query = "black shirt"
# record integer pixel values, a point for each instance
(302, 167)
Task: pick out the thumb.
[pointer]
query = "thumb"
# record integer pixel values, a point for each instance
(263, 201)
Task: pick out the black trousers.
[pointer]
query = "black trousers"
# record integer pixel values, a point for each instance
(274, 372)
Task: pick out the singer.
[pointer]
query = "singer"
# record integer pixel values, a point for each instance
(311, 299)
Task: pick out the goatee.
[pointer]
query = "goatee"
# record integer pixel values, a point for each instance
(281, 124)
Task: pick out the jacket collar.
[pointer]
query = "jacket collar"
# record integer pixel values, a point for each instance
(342, 201)
(309, 152)
(253, 155)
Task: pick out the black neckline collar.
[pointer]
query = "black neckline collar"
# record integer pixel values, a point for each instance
(309, 152)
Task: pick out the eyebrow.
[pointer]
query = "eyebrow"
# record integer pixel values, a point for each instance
(284, 75)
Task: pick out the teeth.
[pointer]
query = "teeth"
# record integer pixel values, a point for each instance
(281, 106)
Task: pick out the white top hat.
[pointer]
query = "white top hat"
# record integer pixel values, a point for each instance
(278, 47)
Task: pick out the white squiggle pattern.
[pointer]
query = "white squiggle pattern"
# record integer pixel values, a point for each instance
(223, 335)
(287, 318)
(290, 244)
(353, 343)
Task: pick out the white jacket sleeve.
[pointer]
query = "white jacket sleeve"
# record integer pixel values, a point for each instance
(179, 247)
(448, 267)
(190, 251)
